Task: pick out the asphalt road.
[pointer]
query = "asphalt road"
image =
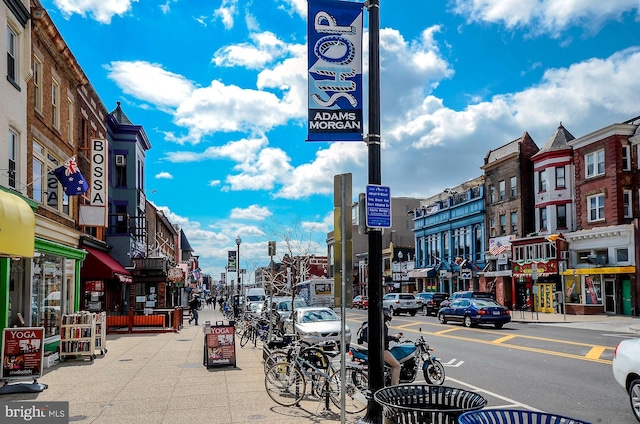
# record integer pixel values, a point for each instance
(561, 370)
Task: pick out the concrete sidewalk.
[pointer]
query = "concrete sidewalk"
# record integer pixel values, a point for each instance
(160, 378)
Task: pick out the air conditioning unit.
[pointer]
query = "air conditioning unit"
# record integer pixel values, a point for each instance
(564, 255)
(121, 160)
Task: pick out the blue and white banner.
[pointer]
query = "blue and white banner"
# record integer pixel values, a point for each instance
(335, 70)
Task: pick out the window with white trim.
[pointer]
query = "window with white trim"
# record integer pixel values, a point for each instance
(595, 207)
(502, 192)
(503, 224)
(626, 158)
(514, 222)
(627, 200)
(594, 163)
(46, 187)
(514, 186)
(55, 104)
(13, 158)
(542, 181)
(12, 54)
(492, 194)
(37, 84)
(543, 219)
(561, 216)
(560, 179)
(70, 120)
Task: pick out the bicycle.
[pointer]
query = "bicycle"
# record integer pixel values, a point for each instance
(286, 382)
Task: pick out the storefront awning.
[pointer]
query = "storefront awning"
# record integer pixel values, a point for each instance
(422, 273)
(17, 227)
(601, 270)
(100, 265)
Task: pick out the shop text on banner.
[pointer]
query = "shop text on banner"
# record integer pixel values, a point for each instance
(335, 70)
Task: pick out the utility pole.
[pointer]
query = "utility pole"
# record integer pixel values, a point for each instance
(373, 139)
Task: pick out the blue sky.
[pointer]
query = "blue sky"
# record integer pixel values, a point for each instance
(220, 88)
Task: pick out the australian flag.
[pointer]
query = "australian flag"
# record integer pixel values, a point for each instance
(70, 177)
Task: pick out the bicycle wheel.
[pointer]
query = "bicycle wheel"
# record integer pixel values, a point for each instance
(274, 357)
(356, 388)
(285, 384)
(246, 336)
(317, 366)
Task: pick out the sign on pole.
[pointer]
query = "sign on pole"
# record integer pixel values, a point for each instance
(378, 206)
(335, 70)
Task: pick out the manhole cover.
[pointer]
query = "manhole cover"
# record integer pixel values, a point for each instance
(190, 365)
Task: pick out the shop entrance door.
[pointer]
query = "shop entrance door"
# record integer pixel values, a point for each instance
(610, 296)
(626, 298)
(545, 297)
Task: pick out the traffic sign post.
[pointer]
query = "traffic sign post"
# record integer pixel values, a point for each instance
(378, 206)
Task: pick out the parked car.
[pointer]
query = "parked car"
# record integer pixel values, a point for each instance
(360, 302)
(317, 323)
(626, 371)
(429, 302)
(472, 312)
(283, 305)
(467, 294)
(400, 302)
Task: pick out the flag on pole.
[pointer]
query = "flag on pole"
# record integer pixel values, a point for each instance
(71, 178)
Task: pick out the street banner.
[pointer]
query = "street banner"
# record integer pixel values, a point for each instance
(335, 70)
(22, 353)
(231, 263)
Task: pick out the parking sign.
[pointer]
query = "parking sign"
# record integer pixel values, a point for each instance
(378, 206)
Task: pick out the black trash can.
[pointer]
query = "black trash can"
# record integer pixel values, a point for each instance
(514, 416)
(425, 404)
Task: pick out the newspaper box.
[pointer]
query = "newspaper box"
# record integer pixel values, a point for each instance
(220, 345)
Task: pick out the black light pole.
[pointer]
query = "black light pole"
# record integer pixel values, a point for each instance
(376, 341)
(236, 298)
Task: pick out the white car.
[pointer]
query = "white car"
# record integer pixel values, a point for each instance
(400, 302)
(316, 324)
(626, 371)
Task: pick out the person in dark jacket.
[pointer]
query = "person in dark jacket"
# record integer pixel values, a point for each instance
(194, 305)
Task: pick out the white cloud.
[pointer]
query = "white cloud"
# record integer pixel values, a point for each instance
(226, 12)
(253, 212)
(296, 6)
(243, 150)
(214, 183)
(265, 47)
(164, 176)
(100, 10)
(544, 16)
(142, 79)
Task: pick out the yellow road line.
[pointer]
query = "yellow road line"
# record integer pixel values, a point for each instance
(505, 338)
(595, 352)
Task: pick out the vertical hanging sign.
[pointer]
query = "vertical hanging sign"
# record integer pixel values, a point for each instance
(335, 70)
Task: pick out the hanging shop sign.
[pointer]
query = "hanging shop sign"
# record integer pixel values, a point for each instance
(335, 70)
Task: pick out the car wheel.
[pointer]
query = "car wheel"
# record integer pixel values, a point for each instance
(392, 312)
(442, 319)
(425, 311)
(634, 398)
(467, 321)
(499, 326)
(413, 313)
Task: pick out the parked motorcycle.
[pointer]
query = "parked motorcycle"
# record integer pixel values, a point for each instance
(412, 356)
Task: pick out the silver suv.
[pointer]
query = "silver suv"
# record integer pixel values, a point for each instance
(400, 302)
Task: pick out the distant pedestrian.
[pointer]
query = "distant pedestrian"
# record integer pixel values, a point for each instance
(214, 302)
(194, 304)
(209, 301)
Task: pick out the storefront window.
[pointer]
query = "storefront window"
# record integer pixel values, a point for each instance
(46, 293)
(593, 290)
(19, 304)
(573, 289)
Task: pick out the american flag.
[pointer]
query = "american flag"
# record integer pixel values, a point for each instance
(497, 246)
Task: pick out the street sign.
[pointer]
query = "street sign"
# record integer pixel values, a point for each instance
(378, 206)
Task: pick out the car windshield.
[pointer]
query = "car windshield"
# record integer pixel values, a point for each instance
(317, 315)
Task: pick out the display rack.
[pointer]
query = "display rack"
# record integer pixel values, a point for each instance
(100, 320)
(78, 335)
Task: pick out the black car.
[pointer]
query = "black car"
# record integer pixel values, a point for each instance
(429, 302)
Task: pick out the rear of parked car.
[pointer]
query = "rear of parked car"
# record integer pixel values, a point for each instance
(400, 302)
(626, 371)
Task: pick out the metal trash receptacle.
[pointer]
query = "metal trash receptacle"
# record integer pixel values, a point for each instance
(514, 416)
(425, 404)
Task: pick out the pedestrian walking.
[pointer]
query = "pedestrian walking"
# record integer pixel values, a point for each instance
(194, 304)
(209, 301)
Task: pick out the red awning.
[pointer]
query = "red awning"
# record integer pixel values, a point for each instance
(99, 265)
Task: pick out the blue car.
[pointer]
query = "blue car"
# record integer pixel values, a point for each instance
(472, 312)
